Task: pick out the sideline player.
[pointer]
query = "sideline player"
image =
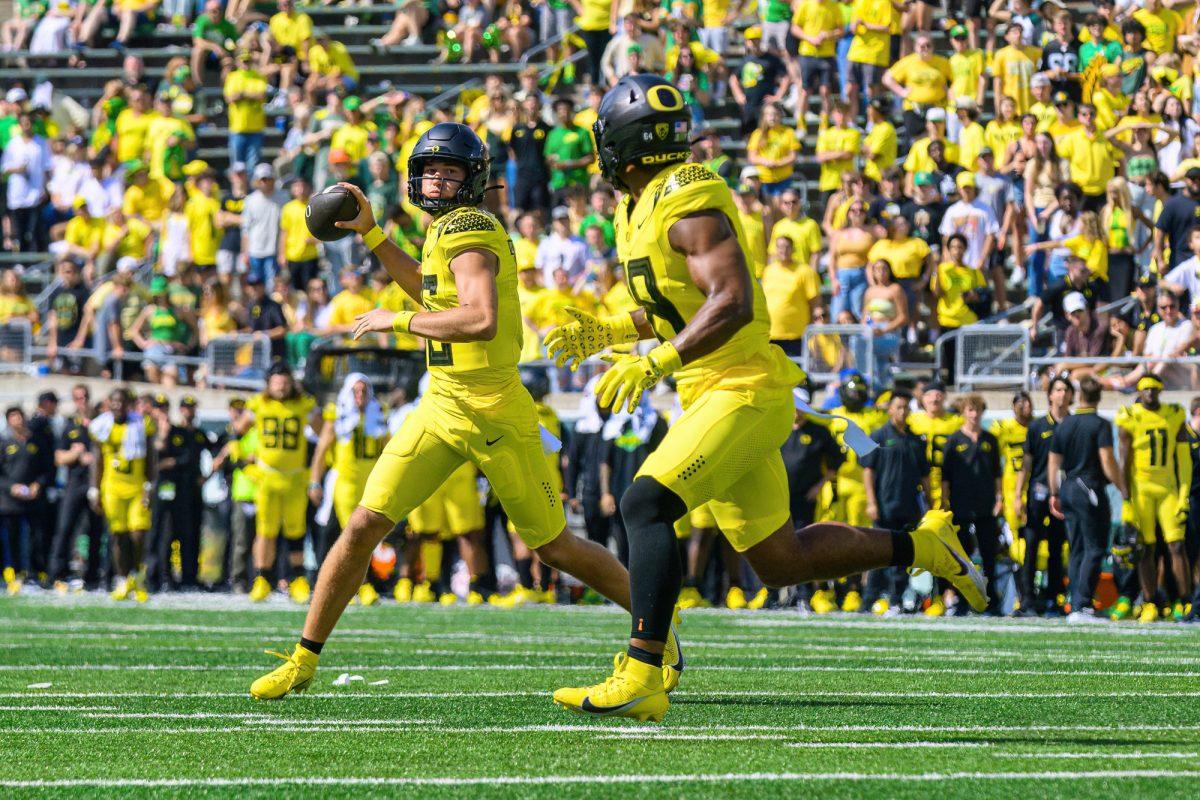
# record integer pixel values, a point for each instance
(355, 431)
(475, 409)
(686, 261)
(934, 424)
(1011, 434)
(279, 470)
(123, 471)
(1157, 462)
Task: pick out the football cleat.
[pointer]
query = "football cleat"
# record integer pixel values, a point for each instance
(634, 690)
(759, 600)
(448, 598)
(294, 675)
(261, 590)
(822, 602)
(1121, 609)
(880, 607)
(1178, 612)
(125, 587)
(474, 598)
(140, 594)
(423, 593)
(404, 591)
(672, 657)
(937, 608)
(1149, 613)
(367, 595)
(735, 598)
(14, 587)
(690, 597)
(10, 574)
(546, 597)
(299, 590)
(852, 602)
(936, 549)
(61, 588)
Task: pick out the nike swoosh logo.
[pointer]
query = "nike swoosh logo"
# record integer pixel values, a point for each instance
(962, 566)
(490, 442)
(589, 707)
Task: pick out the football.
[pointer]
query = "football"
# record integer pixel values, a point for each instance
(334, 204)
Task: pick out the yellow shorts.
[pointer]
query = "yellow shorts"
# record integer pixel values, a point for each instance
(124, 511)
(724, 451)
(453, 509)
(852, 503)
(498, 433)
(1008, 487)
(1156, 507)
(346, 495)
(281, 502)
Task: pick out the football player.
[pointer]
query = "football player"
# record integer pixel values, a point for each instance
(1157, 461)
(475, 410)
(687, 262)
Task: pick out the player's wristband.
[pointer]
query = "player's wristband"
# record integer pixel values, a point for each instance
(374, 237)
(666, 358)
(624, 329)
(402, 321)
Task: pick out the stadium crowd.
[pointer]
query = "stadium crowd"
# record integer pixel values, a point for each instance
(895, 167)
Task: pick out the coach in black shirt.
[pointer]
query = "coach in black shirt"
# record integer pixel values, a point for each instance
(266, 315)
(971, 473)
(1179, 215)
(896, 480)
(527, 144)
(811, 457)
(1082, 447)
(1033, 503)
(73, 453)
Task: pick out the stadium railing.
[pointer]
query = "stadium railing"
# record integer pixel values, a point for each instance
(988, 354)
(237, 361)
(828, 349)
(16, 344)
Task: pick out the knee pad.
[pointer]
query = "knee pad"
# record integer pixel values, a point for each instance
(648, 502)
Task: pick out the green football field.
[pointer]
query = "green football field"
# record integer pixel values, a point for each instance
(98, 700)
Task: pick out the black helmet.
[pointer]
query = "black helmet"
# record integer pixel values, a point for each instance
(536, 381)
(449, 141)
(643, 120)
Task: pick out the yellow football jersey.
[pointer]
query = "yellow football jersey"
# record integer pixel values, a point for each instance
(490, 364)
(123, 477)
(1011, 435)
(280, 424)
(659, 281)
(1155, 434)
(354, 457)
(934, 432)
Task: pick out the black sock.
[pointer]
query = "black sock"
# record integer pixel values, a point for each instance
(902, 549)
(645, 656)
(525, 572)
(309, 644)
(655, 571)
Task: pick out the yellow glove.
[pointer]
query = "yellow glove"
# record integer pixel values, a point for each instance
(630, 376)
(586, 336)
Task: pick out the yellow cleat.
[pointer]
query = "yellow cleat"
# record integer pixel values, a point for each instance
(936, 549)
(474, 599)
(423, 593)
(261, 590)
(1149, 613)
(404, 591)
(14, 588)
(448, 599)
(672, 656)
(546, 597)
(634, 690)
(880, 607)
(937, 608)
(759, 600)
(367, 595)
(294, 675)
(822, 602)
(690, 597)
(852, 602)
(735, 598)
(9, 574)
(124, 589)
(299, 590)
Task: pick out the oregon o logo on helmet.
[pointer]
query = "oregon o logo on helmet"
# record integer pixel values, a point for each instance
(664, 98)
(435, 148)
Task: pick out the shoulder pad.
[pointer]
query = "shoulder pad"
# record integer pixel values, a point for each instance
(687, 175)
(468, 220)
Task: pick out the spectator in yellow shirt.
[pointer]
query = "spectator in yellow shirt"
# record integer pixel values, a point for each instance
(817, 24)
(1162, 26)
(201, 210)
(957, 287)
(803, 233)
(966, 68)
(1001, 132)
(923, 80)
(330, 67)
(298, 248)
(880, 145)
(793, 291)
(354, 299)
(144, 198)
(971, 136)
(837, 146)
(245, 93)
(132, 124)
(291, 32)
(83, 236)
(1012, 71)
(750, 215)
(870, 47)
(529, 291)
(353, 136)
(1089, 157)
(127, 237)
(14, 302)
(773, 148)
(1109, 100)
(547, 312)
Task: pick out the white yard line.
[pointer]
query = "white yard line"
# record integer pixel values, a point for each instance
(539, 780)
(1099, 754)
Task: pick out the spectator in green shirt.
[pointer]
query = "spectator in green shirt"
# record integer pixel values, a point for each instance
(1110, 49)
(568, 151)
(601, 216)
(213, 41)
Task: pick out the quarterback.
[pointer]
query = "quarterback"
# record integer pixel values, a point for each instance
(685, 259)
(475, 409)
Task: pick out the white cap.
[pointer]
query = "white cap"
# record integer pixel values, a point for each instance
(1075, 301)
(749, 173)
(16, 95)
(262, 171)
(1040, 79)
(127, 264)
(935, 114)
